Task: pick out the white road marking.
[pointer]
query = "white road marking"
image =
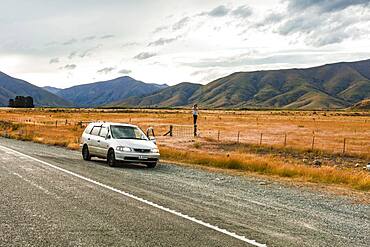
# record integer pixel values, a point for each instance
(33, 184)
(168, 210)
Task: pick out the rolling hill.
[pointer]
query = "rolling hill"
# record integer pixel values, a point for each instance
(106, 92)
(53, 90)
(362, 105)
(177, 95)
(11, 87)
(330, 86)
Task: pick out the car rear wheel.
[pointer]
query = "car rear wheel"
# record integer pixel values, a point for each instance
(151, 165)
(86, 153)
(111, 158)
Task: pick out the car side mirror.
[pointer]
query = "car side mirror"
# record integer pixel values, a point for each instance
(107, 137)
(152, 138)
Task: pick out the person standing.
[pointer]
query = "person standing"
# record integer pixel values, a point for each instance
(195, 118)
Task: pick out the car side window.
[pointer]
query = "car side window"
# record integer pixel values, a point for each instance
(88, 129)
(103, 132)
(95, 131)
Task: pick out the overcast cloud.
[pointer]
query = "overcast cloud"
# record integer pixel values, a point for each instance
(64, 43)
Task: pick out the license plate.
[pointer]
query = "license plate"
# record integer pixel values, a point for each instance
(143, 157)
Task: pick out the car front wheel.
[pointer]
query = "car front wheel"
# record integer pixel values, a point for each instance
(111, 159)
(85, 153)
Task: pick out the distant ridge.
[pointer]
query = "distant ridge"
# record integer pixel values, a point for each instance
(343, 85)
(53, 90)
(331, 86)
(11, 87)
(106, 92)
(177, 95)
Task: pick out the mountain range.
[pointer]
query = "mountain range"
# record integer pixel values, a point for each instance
(331, 86)
(11, 87)
(106, 92)
(338, 85)
(53, 90)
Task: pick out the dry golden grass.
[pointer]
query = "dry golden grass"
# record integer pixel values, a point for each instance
(329, 128)
(61, 127)
(267, 166)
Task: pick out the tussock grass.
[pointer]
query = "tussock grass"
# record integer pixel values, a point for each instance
(40, 134)
(359, 180)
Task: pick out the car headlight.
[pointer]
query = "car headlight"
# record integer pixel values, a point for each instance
(123, 149)
(154, 150)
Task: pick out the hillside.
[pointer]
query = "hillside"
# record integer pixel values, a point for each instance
(338, 85)
(106, 92)
(177, 95)
(362, 105)
(53, 90)
(11, 87)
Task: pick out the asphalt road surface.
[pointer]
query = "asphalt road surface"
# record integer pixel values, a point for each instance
(49, 196)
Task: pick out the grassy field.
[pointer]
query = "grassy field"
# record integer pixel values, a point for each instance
(278, 143)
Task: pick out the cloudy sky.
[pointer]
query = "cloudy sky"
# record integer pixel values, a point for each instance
(62, 43)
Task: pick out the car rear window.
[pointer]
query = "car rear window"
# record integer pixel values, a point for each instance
(88, 129)
(95, 130)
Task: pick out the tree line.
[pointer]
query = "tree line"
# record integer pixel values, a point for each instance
(21, 102)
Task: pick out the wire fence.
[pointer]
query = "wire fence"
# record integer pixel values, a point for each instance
(304, 140)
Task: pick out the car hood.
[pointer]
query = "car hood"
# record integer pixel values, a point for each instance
(132, 143)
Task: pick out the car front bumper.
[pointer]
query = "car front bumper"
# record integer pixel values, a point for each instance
(137, 157)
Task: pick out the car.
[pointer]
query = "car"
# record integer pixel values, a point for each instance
(118, 142)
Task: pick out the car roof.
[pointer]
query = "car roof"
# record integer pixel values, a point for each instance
(112, 123)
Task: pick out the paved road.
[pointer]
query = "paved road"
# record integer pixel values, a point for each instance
(50, 197)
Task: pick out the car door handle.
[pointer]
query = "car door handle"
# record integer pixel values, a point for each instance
(98, 140)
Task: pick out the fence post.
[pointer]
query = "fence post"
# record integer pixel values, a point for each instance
(56, 123)
(218, 135)
(238, 136)
(313, 141)
(344, 145)
(170, 132)
(284, 139)
(261, 136)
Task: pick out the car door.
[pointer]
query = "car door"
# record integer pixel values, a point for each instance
(102, 142)
(94, 137)
(86, 136)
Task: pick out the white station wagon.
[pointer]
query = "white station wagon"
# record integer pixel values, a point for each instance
(118, 142)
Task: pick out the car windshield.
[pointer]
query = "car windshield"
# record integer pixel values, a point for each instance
(127, 132)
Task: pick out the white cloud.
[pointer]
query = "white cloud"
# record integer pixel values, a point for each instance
(243, 11)
(163, 41)
(145, 55)
(69, 67)
(124, 71)
(54, 60)
(196, 40)
(181, 23)
(219, 11)
(106, 70)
